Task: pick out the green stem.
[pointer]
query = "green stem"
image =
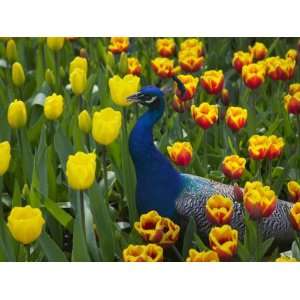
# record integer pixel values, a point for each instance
(258, 169)
(258, 241)
(205, 161)
(81, 208)
(104, 172)
(177, 253)
(27, 253)
(269, 176)
(297, 239)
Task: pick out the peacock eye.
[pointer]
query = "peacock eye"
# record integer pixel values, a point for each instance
(149, 99)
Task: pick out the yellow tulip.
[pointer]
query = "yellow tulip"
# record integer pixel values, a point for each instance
(11, 51)
(18, 76)
(17, 114)
(81, 169)
(54, 106)
(5, 157)
(106, 125)
(55, 43)
(121, 88)
(25, 224)
(79, 62)
(78, 81)
(84, 121)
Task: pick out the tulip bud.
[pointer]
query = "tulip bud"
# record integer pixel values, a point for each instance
(25, 224)
(110, 60)
(225, 96)
(81, 169)
(55, 43)
(25, 191)
(18, 76)
(83, 53)
(5, 157)
(17, 114)
(79, 62)
(123, 64)
(53, 106)
(84, 121)
(78, 81)
(11, 51)
(50, 78)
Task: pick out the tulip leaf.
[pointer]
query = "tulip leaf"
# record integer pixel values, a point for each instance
(189, 234)
(266, 246)
(7, 244)
(103, 222)
(16, 199)
(51, 249)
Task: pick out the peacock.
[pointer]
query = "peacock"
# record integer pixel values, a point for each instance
(173, 194)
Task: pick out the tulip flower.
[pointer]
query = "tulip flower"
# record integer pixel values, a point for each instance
(225, 96)
(49, 77)
(106, 126)
(294, 190)
(163, 67)
(224, 240)
(85, 121)
(203, 256)
(258, 147)
(205, 115)
(142, 253)
(165, 47)
(292, 54)
(258, 51)
(134, 66)
(241, 59)
(285, 259)
(11, 51)
(5, 157)
(78, 81)
(118, 44)
(236, 118)
(254, 75)
(18, 76)
(81, 169)
(25, 224)
(219, 209)
(53, 106)
(212, 81)
(190, 83)
(280, 68)
(233, 166)
(260, 201)
(180, 106)
(121, 88)
(181, 153)
(294, 88)
(295, 216)
(17, 114)
(190, 61)
(55, 43)
(156, 229)
(193, 44)
(292, 103)
(79, 62)
(276, 145)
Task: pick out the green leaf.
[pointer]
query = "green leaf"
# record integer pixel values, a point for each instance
(199, 243)
(50, 248)
(189, 234)
(103, 222)
(266, 246)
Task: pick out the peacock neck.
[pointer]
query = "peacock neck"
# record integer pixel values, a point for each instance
(158, 183)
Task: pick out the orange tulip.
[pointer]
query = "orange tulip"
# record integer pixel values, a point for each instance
(190, 61)
(294, 88)
(219, 209)
(118, 44)
(258, 147)
(276, 145)
(193, 44)
(165, 47)
(292, 54)
(163, 67)
(190, 83)
(280, 68)
(254, 75)
(205, 115)
(233, 166)
(241, 59)
(294, 191)
(181, 153)
(203, 256)
(236, 118)
(142, 253)
(212, 81)
(292, 103)
(295, 216)
(224, 241)
(258, 51)
(260, 201)
(134, 66)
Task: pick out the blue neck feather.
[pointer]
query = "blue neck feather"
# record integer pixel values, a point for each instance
(158, 183)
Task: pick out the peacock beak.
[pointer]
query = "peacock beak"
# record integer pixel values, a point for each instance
(135, 98)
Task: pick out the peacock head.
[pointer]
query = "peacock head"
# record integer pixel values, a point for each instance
(150, 96)
(153, 96)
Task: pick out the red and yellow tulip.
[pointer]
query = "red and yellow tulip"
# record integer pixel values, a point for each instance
(292, 103)
(233, 166)
(165, 47)
(258, 147)
(134, 66)
(212, 81)
(294, 190)
(118, 44)
(190, 61)
(181, 153)
(190, 83)
(206, 115)
(258, 51)
(241, 59)
(163, 67)
(276, 145)
(254, 75)
(295, 216)
(202, 256)
(236, 118)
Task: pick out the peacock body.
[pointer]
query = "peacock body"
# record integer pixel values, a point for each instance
(162, 188)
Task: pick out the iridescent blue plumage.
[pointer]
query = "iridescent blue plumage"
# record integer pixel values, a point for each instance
(162, 188)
